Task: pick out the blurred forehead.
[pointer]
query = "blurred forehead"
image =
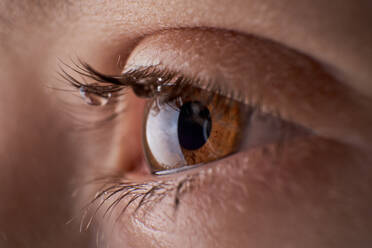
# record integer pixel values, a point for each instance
(319, 28)
(262, 16)
(259, 11)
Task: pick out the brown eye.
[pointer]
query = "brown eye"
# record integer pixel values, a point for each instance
(195, 128)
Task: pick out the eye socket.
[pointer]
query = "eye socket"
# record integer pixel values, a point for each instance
(195, 128)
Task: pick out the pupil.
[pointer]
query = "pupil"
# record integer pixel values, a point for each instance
(194, 125)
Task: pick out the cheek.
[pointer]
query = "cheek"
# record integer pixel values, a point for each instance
(313, 193)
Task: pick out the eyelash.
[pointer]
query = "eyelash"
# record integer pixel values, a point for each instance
(115, 85)
(145, 194)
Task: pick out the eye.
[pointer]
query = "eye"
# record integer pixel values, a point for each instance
(194, 128)
(187, 126)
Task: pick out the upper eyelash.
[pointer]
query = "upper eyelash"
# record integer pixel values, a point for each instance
(86, 71)
(102, 83)
(117, 85)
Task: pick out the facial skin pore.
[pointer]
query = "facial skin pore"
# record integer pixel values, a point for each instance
(319, 198)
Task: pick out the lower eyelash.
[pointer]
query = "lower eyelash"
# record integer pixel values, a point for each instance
(142, 196)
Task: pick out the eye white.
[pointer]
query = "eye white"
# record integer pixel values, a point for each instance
(161, 136)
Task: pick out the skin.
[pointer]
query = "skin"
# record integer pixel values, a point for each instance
(314, 192)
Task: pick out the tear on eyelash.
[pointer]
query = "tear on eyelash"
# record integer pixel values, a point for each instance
(109, 84)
